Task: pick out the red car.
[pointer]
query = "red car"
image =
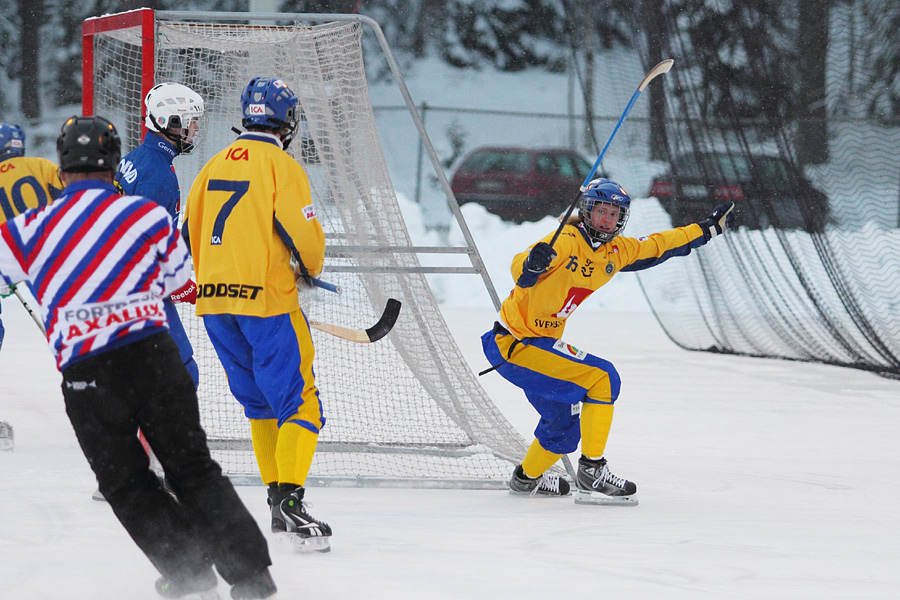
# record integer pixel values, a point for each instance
(520, 184)
(766, 190)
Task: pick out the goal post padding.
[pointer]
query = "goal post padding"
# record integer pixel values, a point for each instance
(405, 411)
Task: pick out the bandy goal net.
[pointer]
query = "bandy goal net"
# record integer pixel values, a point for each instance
(403, 411)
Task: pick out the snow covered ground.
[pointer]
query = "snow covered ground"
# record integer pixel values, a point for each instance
(757, 479)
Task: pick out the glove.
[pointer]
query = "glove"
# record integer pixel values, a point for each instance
(538, 261)
(301, 278)
(187, 293)
(7, 290)
(719, 220)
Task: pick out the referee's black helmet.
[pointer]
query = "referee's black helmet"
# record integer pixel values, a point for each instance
(87, 144)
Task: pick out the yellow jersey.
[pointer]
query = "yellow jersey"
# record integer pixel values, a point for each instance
(578, 270)
(27, 182)
(248, 211)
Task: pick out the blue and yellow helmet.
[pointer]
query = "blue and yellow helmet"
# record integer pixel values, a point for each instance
(607, 192)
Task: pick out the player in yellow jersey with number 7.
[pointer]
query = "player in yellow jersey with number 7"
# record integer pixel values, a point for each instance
(249, 213)
(573, 391)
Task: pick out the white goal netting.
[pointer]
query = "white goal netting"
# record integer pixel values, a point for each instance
(403, 411)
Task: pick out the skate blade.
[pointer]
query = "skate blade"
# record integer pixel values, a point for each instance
(212, 594)
(586, 497)
(538, 495)
(303, 545)
(98, 496)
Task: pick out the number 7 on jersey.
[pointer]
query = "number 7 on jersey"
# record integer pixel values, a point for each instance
(237, 189)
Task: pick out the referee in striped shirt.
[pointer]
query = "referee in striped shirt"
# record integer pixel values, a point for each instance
(99, 265)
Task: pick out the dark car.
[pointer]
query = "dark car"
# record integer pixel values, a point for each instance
(520, 184)
(767, 191)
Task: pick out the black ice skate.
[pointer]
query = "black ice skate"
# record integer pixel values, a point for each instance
(548, 484)
(289, 516)
(198, 588)
(597, 485)
(258, 586)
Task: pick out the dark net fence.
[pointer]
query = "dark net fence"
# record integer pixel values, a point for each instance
(812, 160)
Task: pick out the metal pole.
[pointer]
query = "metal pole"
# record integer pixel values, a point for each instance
(418, 197)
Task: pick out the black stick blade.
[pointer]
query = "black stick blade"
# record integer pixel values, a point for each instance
(386, 322)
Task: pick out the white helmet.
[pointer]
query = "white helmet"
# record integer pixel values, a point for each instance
(175, 110)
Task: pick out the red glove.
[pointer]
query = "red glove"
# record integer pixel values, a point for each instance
(188, 293)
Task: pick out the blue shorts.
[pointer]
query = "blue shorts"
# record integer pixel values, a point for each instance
(268, 361)
(555, 377)
(185, 350)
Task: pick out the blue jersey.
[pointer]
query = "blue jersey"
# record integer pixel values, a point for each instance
(147, 171)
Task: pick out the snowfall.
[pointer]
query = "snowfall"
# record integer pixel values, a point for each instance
(757, 478)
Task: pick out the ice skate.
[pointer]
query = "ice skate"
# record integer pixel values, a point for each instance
(597, 485)
(548, 484)
(163, 481)
(98, 495)
(256, 587)
(7, 438)
(289, 516)
(199, 588)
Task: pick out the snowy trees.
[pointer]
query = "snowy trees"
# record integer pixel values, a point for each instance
(751, 58)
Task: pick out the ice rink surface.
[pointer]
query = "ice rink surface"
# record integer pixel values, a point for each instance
(757, 479)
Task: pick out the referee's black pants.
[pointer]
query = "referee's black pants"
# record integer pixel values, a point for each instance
(145, 385)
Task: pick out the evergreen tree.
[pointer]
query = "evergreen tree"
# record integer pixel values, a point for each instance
(882, 18)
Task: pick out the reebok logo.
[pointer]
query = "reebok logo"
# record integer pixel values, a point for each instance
(312, 527)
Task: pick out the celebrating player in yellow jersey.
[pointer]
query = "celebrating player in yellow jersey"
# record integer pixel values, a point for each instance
(573, 391)
(248, 214)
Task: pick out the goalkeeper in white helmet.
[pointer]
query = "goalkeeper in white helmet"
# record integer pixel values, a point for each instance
(573, 391)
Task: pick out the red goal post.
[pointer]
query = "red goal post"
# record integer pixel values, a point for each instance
(143, 18)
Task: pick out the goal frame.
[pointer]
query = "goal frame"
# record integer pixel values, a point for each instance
(149, 24)
(148, 18)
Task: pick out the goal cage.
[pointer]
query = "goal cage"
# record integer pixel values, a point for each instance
(405, 411)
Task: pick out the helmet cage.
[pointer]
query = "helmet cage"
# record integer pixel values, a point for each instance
(177, 112)
(604, 192)
(12, 141)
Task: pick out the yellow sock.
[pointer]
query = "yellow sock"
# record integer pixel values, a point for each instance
(264, 433)
(537, 460)
(596, 420)
(294, 454)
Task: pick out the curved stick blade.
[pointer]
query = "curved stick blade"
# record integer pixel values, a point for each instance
(386, 322)
(659, 69)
